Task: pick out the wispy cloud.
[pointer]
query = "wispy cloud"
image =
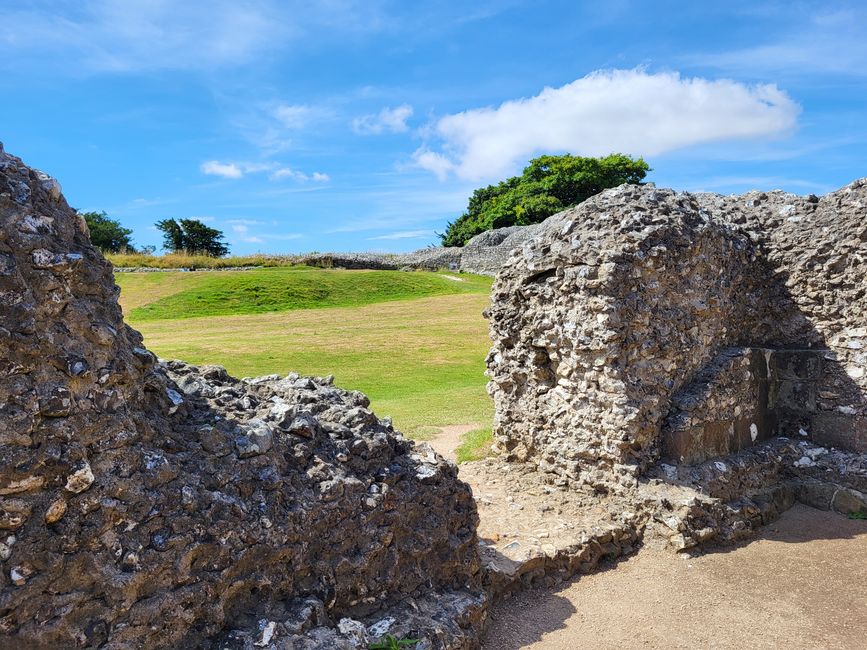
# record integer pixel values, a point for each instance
(275, 126)
(245, 222)
(275, 171)
(388, 120)
(295, 116)
(250, 231)
(406, 234)
(829, 42)
(138, 35)
(95, 36)
(746, 183)
(630, 111)
(286, 172)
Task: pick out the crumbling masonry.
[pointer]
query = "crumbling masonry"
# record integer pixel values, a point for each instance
(646, 331)
(145, 504)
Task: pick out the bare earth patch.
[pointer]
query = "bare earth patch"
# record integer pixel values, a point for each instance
(449, 439)
(802, 584)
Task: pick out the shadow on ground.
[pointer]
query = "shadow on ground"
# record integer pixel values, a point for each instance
(798, 584)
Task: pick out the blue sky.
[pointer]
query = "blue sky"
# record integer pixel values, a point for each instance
(341, 125)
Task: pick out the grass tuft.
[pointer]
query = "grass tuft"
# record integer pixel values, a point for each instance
(475, 445)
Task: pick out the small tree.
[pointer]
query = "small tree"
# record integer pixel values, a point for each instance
(203, 240)
(548, 185)
(193, 237)
(107, 234)
(173, 236)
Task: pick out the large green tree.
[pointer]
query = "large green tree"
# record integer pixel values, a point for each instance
(548, 185)
(193, 237)
(107, 234)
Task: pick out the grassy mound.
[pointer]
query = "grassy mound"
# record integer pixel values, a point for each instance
(160, 296)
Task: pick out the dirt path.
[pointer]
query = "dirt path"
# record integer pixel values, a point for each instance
(801, 585)
(448, 439)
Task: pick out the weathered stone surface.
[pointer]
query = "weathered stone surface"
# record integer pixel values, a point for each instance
(603, 321)
(647, 324)
(149, 504)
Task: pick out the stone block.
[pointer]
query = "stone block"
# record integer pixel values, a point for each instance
(840, 430)
(805, 364)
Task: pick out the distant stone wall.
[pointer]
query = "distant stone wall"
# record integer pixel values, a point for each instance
(619, 304)
(485, 254)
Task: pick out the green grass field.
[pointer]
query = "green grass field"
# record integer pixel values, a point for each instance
(204, 293)
(414, 342)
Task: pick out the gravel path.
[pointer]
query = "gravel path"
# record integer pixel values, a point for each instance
(448, 439)
(802, 585)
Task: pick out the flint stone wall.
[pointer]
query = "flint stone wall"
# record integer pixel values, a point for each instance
(744, 396)
(484, 254)
(619, 303)
(145, 504)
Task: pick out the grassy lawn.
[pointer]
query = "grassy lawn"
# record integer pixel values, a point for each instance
(158, 296)
(419, 359)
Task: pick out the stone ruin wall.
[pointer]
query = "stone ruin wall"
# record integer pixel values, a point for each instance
(145, 504)
(816, 249)
(610, 315)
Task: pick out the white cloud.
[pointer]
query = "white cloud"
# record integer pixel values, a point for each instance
(294, 116)
(286, 172)
(391, 120)
(250, 232)
(216, 168)
(628, 111)
(433, 162)
(235, 170)
(406, 234)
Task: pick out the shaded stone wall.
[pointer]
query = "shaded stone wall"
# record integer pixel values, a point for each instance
(744, 396)
(816, 250)
(618, 303)
(145, 504)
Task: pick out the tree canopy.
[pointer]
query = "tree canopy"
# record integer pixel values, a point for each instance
(193, 237)
(107, 234)
(548, 185)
